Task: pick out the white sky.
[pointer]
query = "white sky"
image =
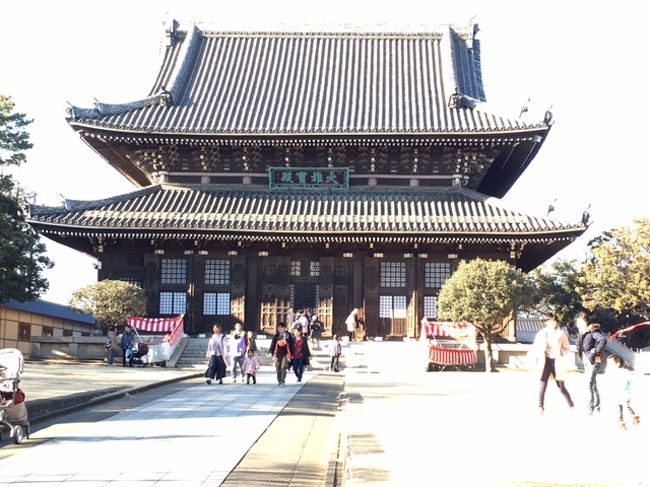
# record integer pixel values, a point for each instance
(585, 58)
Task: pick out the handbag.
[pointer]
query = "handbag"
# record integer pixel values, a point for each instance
(107, 345)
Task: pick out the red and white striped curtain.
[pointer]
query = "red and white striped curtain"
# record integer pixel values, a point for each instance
(155, 325)
(459, 331)
(173, 325)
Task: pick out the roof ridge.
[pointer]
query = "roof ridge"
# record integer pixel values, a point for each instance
(361, 29)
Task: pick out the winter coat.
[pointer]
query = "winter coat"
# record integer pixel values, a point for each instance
(335, 348)
(304, 351)
(554, 344)
(112, 337)
(279, 349)
(592, 344)
(251, 365)
(127, 341)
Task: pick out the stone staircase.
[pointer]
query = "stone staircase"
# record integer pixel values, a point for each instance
(193, 354)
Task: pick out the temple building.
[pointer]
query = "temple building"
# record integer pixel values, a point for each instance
(306, 169)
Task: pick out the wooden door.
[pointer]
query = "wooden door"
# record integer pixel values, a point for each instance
(276, 292)
(341, 294)
(326, 289)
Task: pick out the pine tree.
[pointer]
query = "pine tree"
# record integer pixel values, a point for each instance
(22, 255)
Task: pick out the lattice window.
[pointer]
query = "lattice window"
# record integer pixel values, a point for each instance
(431, 306)
(399, 306)
(385, 306)
(174, 271)
(48, 331)
(436, 274)
(270, 272)
(314, 269)
(295, 268)
(393, 274)
(217, 271)
(216, 304)
(392, 306)
(172, 303)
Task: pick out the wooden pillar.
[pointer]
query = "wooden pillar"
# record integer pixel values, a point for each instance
(195, 280)
(238, 289)
(152, 285)
(412, 297)
(253, 290)
(371, 296)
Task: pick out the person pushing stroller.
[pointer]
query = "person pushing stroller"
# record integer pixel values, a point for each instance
(13, 411)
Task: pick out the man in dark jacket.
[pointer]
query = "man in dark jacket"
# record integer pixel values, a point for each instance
(281, 348)
(127, 346)
(591, 346)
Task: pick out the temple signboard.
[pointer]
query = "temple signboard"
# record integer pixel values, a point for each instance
(332, 178)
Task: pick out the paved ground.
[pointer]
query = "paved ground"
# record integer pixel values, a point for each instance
(405, 427)
(196, 436)
(398, 426)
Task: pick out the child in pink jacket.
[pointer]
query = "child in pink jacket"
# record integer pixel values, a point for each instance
(251, 366)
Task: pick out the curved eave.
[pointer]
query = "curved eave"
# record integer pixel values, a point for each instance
(314, 236)
(135, 132)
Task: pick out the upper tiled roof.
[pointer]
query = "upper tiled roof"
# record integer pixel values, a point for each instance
(219, 82)
(221, 213)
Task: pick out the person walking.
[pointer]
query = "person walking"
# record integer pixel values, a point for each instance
(217, 348)
(249, 342)
(335, 353)
(300, 354)
(551, 346)
(621, 374)
(112, 344)
(126, 343)
(237, 350)
(316, 333)
(591, 345)
(280, 349)
(251, 366)
(351, 323)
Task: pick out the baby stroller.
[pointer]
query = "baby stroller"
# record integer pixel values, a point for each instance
(139, 351)
(13, 412)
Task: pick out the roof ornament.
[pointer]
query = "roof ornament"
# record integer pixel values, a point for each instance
(524, 109)
(171, 32)
(458, 100)
(548, 116)
(166, 98)
(586, 216)
(551, 207)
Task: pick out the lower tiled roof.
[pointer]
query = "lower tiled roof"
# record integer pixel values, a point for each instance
(413, 214)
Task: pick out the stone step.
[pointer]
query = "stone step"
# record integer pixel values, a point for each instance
(194, 354)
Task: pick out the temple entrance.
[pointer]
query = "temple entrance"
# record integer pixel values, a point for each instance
(392, 315)
(305, 295)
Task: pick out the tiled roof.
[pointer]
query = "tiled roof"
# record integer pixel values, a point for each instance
(47, 308)
(261, 214)
(312, 83)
